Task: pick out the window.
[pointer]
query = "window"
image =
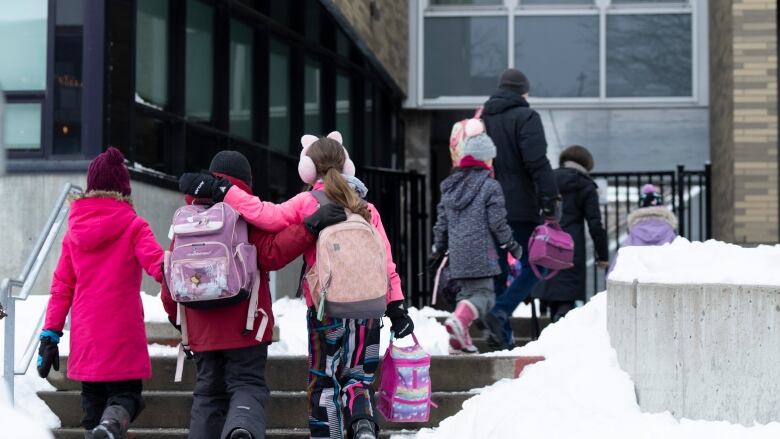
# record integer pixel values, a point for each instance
(557, 2)
(566, 62)
(199, 76)
(312, 98)
(368, 124)
(464, 55)
(649, 55)
(23, 45)
(151, 53)
(241, 43)
(279, 96)
(22, 128)
(466, 2)
(343, 109)
(68, 49)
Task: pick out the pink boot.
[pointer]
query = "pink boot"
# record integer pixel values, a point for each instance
(458, 327)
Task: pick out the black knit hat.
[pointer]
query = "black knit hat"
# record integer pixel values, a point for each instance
(232, 163)
(514, 80)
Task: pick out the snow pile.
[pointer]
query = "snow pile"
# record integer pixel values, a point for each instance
(578, 391)
(18, 424)
(711, 262)
(290, 315)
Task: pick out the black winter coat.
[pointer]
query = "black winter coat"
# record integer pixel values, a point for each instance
(580, 204)
(521, 165)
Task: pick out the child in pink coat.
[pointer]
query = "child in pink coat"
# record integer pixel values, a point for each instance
(326, 166)
(98, 280)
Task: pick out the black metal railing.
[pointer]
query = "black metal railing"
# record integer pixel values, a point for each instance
(686, 192)
(400, 197)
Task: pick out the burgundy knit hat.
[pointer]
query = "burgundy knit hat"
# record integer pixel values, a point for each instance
(107, 172)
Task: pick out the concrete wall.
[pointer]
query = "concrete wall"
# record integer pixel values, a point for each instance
(699, 351)
(743, 128)
(30, 197)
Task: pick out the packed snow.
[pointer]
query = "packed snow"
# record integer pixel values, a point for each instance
(16, 423)
(578, 391)
(683, 262)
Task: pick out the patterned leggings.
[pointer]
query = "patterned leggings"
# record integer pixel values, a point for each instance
(343, 356)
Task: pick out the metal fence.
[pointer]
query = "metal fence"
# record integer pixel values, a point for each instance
(686, 192)
(401, 199)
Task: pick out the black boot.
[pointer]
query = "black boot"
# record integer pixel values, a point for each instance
(363, 429)
(240, 433)
(494, 331)
(113, 423)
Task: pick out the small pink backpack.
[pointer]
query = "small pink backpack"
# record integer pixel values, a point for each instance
(551, 248)
(405, 384)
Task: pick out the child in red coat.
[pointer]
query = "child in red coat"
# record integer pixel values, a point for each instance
(98, 280)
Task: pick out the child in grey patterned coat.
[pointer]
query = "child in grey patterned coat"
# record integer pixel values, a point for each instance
(471, 220)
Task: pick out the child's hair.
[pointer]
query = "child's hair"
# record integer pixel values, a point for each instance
(329, 157)
(577, 154)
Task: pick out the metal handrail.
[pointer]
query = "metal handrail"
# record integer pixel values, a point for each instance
(25, 282)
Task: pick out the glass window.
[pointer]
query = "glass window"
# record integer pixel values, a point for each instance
(464, 55)
(649, 55)
(368, 125)
(151, 52)
(343, 109)
(312, 98)
(647, 1)
(279, 97)
(23, 44)
(241, 41)
(312, 20)
(558, 2)
(279, 10)
(343, 44)
(22, 128)
(565, 63)
(466, 2)
(199, 77)
(68, 49)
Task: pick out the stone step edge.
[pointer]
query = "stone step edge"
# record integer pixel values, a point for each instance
(269, 432)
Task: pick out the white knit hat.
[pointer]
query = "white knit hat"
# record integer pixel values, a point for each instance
(481, 147)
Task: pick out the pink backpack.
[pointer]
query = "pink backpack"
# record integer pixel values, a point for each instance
(551, 248)
(212, 264)
(349, 279)
(405, 384)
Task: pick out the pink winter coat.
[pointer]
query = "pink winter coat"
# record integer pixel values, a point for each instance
(98, 279)
(275, 217)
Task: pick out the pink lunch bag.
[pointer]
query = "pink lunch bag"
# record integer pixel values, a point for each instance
(551, 248)
(405, 384)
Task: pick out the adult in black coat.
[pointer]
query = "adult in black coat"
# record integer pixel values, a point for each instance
(580, 204)
(529, 187)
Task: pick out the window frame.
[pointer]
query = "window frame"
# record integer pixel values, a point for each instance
(511, 9)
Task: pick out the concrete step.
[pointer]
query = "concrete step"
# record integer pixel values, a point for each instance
(171, 409)
(180, 433)
(521, 326)
(450, 373)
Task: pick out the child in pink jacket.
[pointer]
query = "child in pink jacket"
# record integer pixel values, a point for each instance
(343, 353)
(98, 280)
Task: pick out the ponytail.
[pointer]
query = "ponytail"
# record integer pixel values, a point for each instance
(339, 192)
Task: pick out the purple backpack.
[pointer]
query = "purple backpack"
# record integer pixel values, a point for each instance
(551, 248)
(405, 384)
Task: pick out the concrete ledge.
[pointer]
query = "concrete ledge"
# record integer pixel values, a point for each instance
(707, 352)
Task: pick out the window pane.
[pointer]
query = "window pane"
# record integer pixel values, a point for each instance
(199, 59)
(313, 19)
(559, 54)
(241, 38)
(368, 125)
(68, 49)
(466, 2)
(312, 105)
(464, 56)
(649, 55)
(23, 44)
(279, 97)
(343, 109)
(22, 126)
(647, 1)
(558, 2)
(151, 52)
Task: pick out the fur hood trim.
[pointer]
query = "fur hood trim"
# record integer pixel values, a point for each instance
(101, 194)
(656, 212)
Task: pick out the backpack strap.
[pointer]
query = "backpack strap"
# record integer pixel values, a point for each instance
(478, 113)
(321, 197)
(184, 346)
(548, 276)
(437, 279)
(252, 311)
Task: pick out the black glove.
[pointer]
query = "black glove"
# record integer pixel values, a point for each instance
(550, 207)
(172, 320)
(325, 216)
(402, 325)
(48, 353)
(513, 248)
(204, 185)
(434, 260)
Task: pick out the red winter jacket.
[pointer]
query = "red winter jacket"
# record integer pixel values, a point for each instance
(223, 328)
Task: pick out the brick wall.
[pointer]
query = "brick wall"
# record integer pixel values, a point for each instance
(743, 49)
(386, 35)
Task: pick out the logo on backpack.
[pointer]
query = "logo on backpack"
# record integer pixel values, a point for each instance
(349, 279)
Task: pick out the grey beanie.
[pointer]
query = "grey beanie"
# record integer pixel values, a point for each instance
(514, 80)
(232, 163)
(481, 147)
